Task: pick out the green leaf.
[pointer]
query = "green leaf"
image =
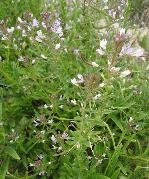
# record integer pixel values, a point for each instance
(10, 151)
(116, 121)
(113, 161)
(123, 169)
(4, 169)
(116, 174)
(103, 177)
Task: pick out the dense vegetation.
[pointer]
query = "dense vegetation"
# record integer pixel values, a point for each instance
(74, 78)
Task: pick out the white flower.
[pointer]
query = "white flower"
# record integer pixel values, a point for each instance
(116, 25)
(4, 37)
(103, 43)
(65, 135)
(78, 145)
(53, 138)
(60, 35)
(0, 58)
(100, 161)
(65, 49)
(100, 51)
(114, 69)
(40, 36)
(137, 127)
(31, 38)
(74, 102)
(45, 106)
(94, 64)
(42, 173)
(97, 97)
(59, 149)
(43, 56)
(74, 81)
(18, 27)
(20, 59)
(38, 39)
(31, 165)
(36, 123)
(24, 33)
(61, 106)
(122, 31)
(76, 51)
(62, 38)
(42, 132)
(10, 30)
(50, 121)
(67, 27)
(51, 106)
(57, 46)
(102, 85)
(33, 61)
(104, 154)
(29, 28)
(105, 1)
(130, 119)
(125, 73)
(80, 77)
(59, 30)
(44, 25)
(40, 156)
(134, 52)
(20, 20)
(109, 62)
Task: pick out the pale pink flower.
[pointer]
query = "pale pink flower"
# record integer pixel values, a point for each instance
(35, 22)
(77, 81)
(132, 51)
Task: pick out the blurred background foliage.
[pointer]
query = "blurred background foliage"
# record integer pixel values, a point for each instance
(139, 9)
(139, 12)
(11, 9)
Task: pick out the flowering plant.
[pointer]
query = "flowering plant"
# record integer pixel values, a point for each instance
(74, 92)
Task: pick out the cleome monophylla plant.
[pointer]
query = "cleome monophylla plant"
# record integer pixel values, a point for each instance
(74, 79)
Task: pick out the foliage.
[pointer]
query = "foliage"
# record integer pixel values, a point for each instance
(74, 91)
